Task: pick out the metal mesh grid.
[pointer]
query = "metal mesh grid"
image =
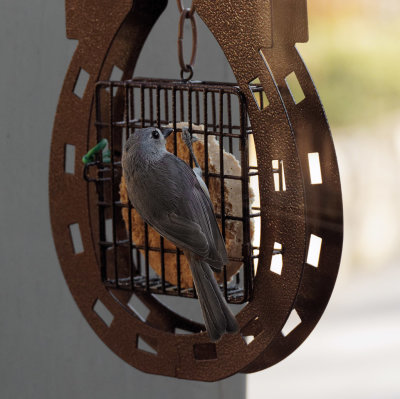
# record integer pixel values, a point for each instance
(209, 110)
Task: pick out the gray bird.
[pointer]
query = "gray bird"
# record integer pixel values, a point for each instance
(168, 196)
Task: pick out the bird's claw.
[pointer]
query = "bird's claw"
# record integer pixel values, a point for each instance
(187, 137)
(188, 140)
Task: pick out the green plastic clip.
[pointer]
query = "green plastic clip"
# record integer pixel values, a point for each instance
(90, 156)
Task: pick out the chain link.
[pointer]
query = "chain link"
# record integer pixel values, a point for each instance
(186, 13)
(181, 8)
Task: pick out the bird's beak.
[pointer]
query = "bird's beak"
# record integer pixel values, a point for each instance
(166, 131)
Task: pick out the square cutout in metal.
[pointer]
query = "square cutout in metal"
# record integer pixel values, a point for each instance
(294, 87)
(292, 322)
(105, 315)
(278, 173)
(251, 330)
(315, 168)
(259, 95)
(277, 259)
(76, 238)
(81, 82)
(314, 250)
(69, 159)
(147, 344)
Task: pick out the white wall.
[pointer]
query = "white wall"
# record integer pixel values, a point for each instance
(47, 350)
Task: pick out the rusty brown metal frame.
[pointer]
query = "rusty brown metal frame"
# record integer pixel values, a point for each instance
(258, 39)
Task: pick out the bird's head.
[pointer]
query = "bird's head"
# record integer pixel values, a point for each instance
(145, 145)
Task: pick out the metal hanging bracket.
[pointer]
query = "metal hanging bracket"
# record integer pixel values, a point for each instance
(290, 130)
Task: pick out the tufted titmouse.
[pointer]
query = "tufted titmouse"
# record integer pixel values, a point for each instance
(169, 197)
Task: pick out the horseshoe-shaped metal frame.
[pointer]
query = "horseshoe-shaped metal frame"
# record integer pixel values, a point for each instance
(258, 38)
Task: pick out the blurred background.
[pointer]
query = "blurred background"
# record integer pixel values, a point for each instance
(354, 55)
(48, 350)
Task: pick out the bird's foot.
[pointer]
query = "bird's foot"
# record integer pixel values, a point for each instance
(188, 139)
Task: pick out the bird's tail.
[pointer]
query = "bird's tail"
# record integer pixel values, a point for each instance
(218, 317)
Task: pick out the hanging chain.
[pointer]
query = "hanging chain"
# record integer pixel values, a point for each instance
(186, 13)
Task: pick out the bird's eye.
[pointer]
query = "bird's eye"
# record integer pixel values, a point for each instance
(155, 134)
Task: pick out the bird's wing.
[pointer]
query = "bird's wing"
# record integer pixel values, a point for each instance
(182, 232)
(219, 241)
(209, 224)
(188, 218)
